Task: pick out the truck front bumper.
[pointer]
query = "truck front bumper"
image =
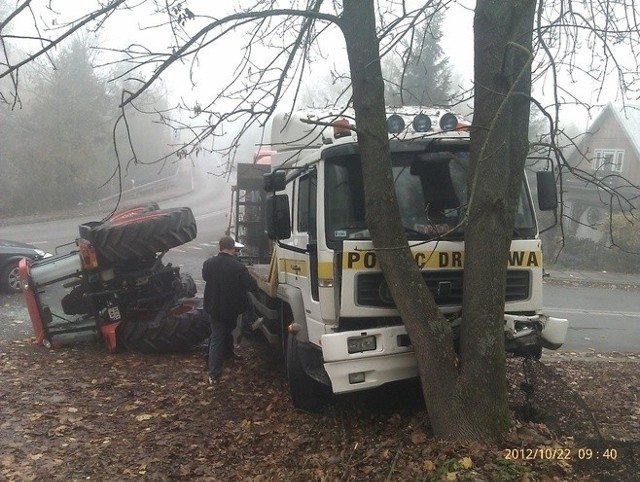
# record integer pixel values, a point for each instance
(391, 357)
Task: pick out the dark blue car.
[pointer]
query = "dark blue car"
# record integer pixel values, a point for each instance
(10, 254)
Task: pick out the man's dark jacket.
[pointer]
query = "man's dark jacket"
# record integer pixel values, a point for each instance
(227, 283)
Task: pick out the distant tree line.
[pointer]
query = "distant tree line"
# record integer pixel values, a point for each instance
(59, 146)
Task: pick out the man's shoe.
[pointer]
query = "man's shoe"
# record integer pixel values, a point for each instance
(212, 381)
(257, 324)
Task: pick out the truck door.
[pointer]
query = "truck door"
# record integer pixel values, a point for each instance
(302, 264)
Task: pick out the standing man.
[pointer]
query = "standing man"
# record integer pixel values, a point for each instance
(226, 291)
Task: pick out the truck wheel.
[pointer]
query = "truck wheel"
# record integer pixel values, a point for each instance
(142, 235)
(306, 393)
(174, 333)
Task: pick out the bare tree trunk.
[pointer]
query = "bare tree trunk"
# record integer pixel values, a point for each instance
(430, 334)
(499, 145)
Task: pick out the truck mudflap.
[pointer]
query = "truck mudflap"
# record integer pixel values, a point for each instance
(387, 357)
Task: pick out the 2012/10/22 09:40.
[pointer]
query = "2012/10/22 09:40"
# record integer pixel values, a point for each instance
(556, 453)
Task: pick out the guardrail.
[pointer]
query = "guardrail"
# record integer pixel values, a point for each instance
(154, 187)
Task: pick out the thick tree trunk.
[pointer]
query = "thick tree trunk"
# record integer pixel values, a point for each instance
(499, 145)
(452, 388)
(430, 334)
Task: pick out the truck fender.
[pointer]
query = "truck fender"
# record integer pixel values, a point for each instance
(554, 332)
(293, 297)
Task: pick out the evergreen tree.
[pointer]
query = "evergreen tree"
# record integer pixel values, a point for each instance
(71, 119)
(61, 138)
(419, 72)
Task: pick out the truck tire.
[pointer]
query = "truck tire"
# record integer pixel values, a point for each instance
(306, 393)
(173, 333)
(142, 235)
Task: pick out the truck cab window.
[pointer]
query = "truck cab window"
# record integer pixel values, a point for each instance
(307, 205)
(431, 189)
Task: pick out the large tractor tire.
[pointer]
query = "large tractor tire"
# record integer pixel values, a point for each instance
(142, 235)
(134, 210)
(174, 333)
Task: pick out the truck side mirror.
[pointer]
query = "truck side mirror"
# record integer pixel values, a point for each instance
(278, 216)
(274, 181)
(547, 195)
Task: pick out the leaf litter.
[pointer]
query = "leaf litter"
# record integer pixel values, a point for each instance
(83, 414)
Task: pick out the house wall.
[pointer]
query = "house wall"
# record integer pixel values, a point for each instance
(587, 206)
(611, 135)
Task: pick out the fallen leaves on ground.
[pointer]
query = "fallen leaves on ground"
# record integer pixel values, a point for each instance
(83, 414)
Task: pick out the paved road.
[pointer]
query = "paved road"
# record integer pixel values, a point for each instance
(210, 203)
(601, 319)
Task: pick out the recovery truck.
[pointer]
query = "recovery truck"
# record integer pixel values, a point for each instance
(323, 295)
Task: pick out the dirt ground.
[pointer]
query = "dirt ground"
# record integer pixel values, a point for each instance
(83, 414)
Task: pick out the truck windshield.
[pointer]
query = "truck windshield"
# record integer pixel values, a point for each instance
(432, 194)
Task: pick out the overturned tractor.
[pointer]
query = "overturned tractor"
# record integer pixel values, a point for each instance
(115, 287)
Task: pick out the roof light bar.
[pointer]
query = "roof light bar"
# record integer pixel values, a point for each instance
(448, 122)
(395, 124)
(421, 123)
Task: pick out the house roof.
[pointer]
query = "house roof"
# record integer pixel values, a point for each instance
(627, 116)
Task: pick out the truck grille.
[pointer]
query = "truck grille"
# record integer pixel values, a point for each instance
(446, 287)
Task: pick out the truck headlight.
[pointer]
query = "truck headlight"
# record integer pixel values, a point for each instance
(358, 344)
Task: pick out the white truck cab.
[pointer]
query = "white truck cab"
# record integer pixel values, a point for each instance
(323, 294)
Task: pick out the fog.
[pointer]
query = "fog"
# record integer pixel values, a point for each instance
(66, 135)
